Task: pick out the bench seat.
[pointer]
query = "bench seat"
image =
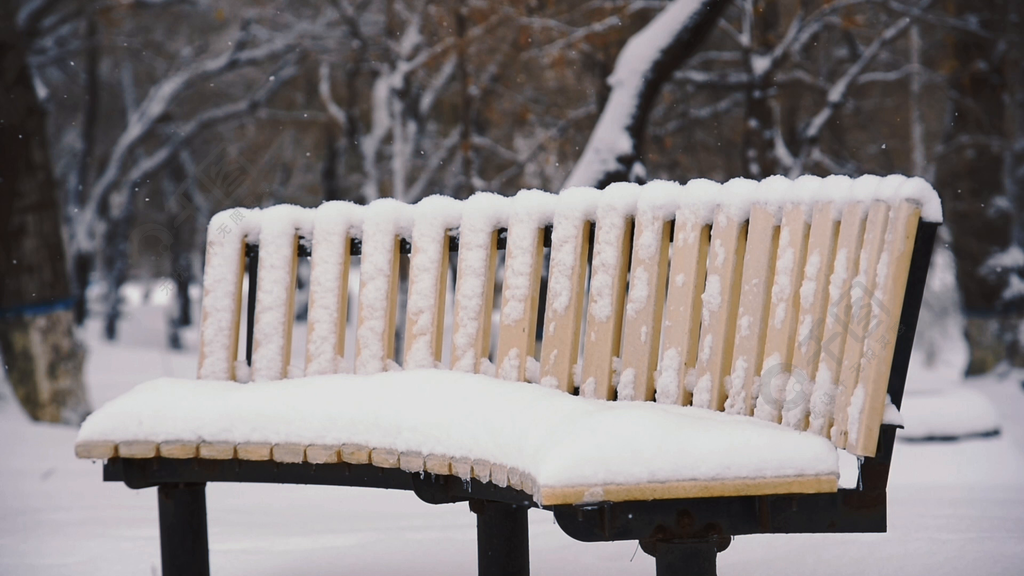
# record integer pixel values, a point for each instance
(559, 448)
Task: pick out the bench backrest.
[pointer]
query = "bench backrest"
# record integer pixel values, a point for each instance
(778, 300)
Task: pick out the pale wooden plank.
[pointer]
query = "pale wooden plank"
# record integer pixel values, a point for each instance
(323, 454)
(515, 478)
(645, 299)
(783, 313)
(384, 458)
(553, 496)
(355, 454)
(258, 451)
(428, 281)
(275, 308)
(862, 291)
(499, 474)
(893, 272)
(752, 314)
(410, 461)
(482, 470)
(137, 449)
(216, 356)
(217, 450)
(474, 300)
(328, 286)
(437, 464)
(563, 311)
(821, 250)
(462, 467)
(833, 339)
(288, 453)
(179, 450)
(687, 275)
(95, 450)
(517, 337)
(718, 311)
(375, 333)
(604, 311)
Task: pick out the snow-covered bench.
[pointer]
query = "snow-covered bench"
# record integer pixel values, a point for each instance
(768, 322)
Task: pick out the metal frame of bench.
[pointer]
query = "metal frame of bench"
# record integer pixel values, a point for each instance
(684, 535)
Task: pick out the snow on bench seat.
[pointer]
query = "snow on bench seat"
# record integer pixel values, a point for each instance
(561, 449)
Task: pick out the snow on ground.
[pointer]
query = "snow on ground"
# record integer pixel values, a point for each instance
(954, 507)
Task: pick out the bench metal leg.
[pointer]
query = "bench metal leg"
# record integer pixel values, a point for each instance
(502, 539)
(697, 557)
(184, 546)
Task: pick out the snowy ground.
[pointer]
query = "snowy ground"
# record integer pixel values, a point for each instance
(954, 508)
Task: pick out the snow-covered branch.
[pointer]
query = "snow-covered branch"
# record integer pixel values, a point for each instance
(644, 64)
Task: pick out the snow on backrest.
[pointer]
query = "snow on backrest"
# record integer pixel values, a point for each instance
(333, 226)
(532, 210)
(778, 300)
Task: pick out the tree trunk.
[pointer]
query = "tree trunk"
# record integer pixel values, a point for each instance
(969, 177)
(43, 359)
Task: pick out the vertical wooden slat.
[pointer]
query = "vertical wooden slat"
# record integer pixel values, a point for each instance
(378, 284)
(563, 311)
(833, 339)
(783, 313)
(483, 214)
(718, 310)
(275, 292)
(328, 285)
(752, 316)
(607, 294)
(687, 275)
(821, 246)
(222, 293)
(517, 337)
(868, 403)
(862, 291)
(428, 280)
(641, 330)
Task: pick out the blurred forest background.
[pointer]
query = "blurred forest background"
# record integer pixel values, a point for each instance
(126, 123)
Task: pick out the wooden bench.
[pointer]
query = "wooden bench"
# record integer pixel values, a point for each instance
(768, 323)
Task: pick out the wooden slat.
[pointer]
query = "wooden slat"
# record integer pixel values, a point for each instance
(687, 275)
(378, 280)
(355, 454)
(411, 461)
(288, 453)
(563, 311)
(254, 451)
(428, 280)
(437, 464)
(275, 307)
(783, 313)
(222, 295)
(474, 299)
(862, 290)
(462, 467)
(323, 454)
(553, 496)
(641, 329)
(524, 263)
(384, 458)
(893, 272)
(328, 286)
(604, 312)
(718, 311)
(96, 450)
(833, 340)
(821, 251)
(515, 478)
(179, 450)
(137, 449)
(752, 315)
(217, 450)
(499, 475)
(482, 470)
